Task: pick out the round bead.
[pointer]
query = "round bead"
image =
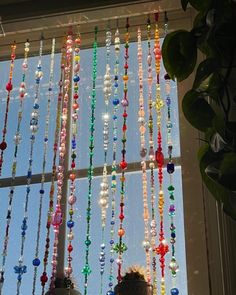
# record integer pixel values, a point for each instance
(174, 291)
(36, 262)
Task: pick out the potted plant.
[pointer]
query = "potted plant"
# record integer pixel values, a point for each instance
(210, 104)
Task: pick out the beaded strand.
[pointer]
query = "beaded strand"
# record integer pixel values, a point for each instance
(72, 198)
(163, 248)
(17, 141)
(9, 87)
(36, 261)
(120, 247)
(44, 276)
(20, 269)
(143, 153)
(151, 155)
(104, 193)
(57, 216)
(116, 103)
(86, 269)
(173, 266)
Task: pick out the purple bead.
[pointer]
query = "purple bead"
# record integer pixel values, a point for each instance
(172, 209)
(124, 102)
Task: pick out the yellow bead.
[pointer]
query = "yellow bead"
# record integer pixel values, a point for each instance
(77, 58)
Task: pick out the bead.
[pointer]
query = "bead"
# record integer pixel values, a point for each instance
(3, 145)
(36, 262)
(174, 291)
(9, 86)
(123, 165)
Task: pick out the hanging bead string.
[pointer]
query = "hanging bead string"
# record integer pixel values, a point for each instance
(115, 102)
(173, 266)
(162, 249)
(17, 141)
(104, 193)
(20, 269)
(143, 153)
(86, 269)
(9, 87)
(36, 261)
(44, 277)
(72, 197)
(151, 155)
(57, 216)
(120, 247)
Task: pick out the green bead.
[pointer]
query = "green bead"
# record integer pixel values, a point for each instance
(87, 242)
(86, 270)
(171, 188)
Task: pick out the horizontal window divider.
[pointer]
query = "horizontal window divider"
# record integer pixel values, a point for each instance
(80, 173)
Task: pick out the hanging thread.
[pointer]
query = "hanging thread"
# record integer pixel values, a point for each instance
(121, 247)
(36, 261)
(104, 193)
(20, 269)
(163, 248)
(17, 141)
(44, 276)
(116, 103)
(9, 87)
(143, 153)
(86, 269)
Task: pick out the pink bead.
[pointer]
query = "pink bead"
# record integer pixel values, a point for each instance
(72, 200)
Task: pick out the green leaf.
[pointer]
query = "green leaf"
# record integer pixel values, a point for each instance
(204, 70)
(228, 171)
(179, 54)
(184, 4)
(219, 192)
(200, 5)
(197, 111)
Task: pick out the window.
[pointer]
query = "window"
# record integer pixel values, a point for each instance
(134, 204)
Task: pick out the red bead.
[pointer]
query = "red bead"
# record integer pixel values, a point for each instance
(70, 248)
(73, 165)
(121, 216)
(159, 158)
(3, 146)
(76, 96)
(124, 128)
(123, 165)
(125, 115)
(9, 86)
(44, 278)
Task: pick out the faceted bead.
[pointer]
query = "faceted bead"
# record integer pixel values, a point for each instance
(170, 168)
(86, 270)
(159, 158)
(123, 165)
(110, 292)
(70, 248)
(44, 279)
(121, 232)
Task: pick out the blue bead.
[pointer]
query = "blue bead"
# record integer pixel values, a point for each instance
(36, 106)
(111, 242)
(36, 262)
(76, 78)
(110, 292)
(115, 138)
(111, 260)
(168, 101)
(41, 191)
(50, 89)
(45, 139)
(112, 222)
(29, 174)
(70, 223)
(173, 235)
(116, 101)
(174, 291)
(170, 168)
(28, 189)
(114, 117)
(23, 233)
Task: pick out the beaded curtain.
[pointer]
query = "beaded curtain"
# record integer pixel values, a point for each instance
(126, 70)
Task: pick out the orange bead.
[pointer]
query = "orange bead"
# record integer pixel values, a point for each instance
(72, 176)
(121, 232)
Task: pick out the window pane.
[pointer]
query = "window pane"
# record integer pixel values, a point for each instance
(31, 234)
(23, 152)
(134, 227)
